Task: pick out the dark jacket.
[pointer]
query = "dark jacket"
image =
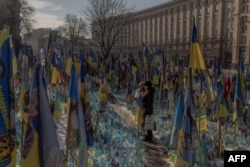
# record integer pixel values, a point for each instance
(148, 101)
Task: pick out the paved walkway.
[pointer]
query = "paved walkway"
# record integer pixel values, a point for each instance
(155, 154)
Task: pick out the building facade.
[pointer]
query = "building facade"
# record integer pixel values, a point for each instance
(39, 38)
(223, 29)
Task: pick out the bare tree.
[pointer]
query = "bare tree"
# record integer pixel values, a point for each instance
(17, 14)
(108, 19)
(73, 29)
(26, 14)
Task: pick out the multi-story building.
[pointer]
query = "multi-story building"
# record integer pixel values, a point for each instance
(223, 29)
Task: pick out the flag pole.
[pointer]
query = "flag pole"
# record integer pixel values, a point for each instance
(66, 164)
(219, 139)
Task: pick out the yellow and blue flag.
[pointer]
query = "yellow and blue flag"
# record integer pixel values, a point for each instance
(238, 97)
(202, 157)
(184, 155)
(69, 63)
(155, 76)
(175, 134)
(242, 76)
(217, 69)
(223, 113)
(187, 127)
(57, 113)
(54, 71)
(92, 60)
(40, 146)
(158, 57)
(28, 53)
(76, 135)
(131, 60)
(132, 64)
(146, 55)
(196, 56)
(5, 73)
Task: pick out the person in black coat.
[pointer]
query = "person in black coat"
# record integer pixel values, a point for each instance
(147, 104)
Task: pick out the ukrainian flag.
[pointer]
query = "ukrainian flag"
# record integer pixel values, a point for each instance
(222, 106)
(92, 61)
(41, 146)
(5, 73)
(184, 154)
(58, 105)
(158, 57)
(69, 63)
(54, 71)
(155, 76)
(76, 135)
(238, 98)
(196, 57)
(242, 76)
(177, 124)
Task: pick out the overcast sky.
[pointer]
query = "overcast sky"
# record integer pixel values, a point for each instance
(50, 13)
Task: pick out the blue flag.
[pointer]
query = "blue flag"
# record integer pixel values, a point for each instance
(41, 146)
(76, 134)
(5, 72)
(92, 60)
(196, 60)
(177, 124)
(185, 145)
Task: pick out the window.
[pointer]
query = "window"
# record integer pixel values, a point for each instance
(215, 18)
(231, 35)
(199, 12)
(199, 4)
(192, 5)
(244, 8)
(184, 7)
(184, 29)
(177, 30)
(205, 45)
(166, 31)
(244, 19)
(198, 24)
(243, 29)
(215, 30)
(243, 39)
(216, 8)
(242, 54)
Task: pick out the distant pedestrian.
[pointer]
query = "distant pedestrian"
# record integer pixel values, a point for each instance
(147, 104)
(139, 110)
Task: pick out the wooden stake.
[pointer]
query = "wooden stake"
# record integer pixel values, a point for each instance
(219, 138)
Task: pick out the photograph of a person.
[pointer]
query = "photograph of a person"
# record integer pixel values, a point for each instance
(2, 69)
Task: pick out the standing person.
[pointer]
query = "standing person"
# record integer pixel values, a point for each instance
(147, 104)
(139, 91)
(139, 112)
